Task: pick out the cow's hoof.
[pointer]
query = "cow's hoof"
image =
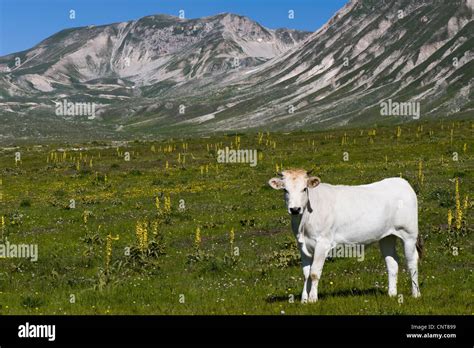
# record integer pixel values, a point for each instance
(313, 298)
(392, 293)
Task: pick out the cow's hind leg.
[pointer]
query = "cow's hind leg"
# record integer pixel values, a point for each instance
(389, 253)
(411, 255)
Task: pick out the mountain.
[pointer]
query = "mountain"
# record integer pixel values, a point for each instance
(368, 53)
(110, 63)
(162, 75)
(147, 51)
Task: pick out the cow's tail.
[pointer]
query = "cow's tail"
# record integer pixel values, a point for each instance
(419, 246)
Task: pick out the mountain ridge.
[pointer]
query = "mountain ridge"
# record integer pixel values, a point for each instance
(284, 79)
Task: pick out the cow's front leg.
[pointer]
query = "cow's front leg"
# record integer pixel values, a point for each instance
(320, 252)
(306, 263)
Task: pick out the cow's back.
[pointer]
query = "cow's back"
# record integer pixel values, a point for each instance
(364, 213)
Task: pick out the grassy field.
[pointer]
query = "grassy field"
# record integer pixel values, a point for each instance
(171, 231)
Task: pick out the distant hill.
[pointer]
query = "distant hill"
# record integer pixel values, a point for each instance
(163, 75)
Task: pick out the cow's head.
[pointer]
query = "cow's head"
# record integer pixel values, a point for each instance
(295, 184)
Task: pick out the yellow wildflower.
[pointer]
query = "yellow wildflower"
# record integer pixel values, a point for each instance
(197, 238)
(157, 203)
(108, 250)
(458, 207)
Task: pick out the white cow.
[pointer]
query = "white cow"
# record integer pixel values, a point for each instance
(324, 215)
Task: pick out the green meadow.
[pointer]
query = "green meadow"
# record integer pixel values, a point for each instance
(160, 227)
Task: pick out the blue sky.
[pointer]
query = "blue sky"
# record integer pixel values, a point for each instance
(24, 23)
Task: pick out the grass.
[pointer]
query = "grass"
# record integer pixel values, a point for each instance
(171, 273)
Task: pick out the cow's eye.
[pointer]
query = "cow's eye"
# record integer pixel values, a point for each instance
(305, 189)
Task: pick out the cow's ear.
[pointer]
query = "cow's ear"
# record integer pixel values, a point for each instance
(276, 183)
(313, 181)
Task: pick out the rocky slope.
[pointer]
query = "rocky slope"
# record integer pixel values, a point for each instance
(369, 52)
(107, 61)
(163, 75)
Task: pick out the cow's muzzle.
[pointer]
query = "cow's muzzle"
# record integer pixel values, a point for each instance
(295, 211)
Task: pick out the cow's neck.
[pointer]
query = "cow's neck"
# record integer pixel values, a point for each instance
(298, 221)
(295, 223)
(308, 208)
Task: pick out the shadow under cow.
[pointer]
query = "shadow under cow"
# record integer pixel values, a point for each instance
(323, 295)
